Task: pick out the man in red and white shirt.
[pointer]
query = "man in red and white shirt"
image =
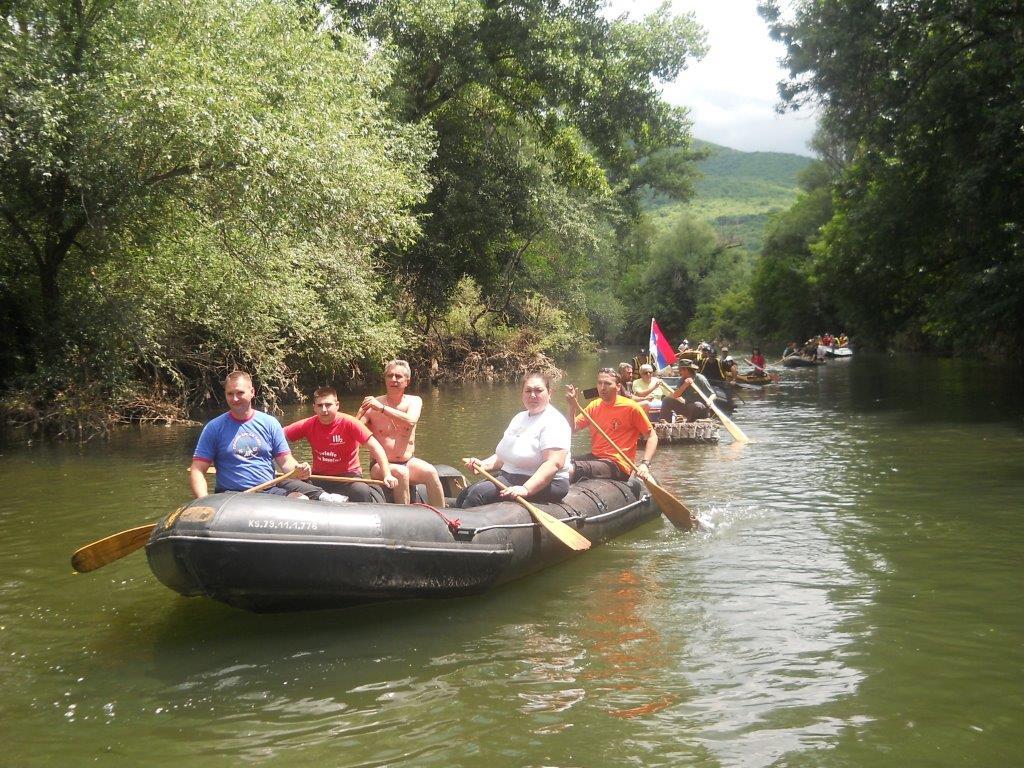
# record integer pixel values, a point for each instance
(335, 438)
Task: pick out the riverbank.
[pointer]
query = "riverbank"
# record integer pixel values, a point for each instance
(84, 411)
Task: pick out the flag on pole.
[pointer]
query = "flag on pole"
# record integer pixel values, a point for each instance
(659, 347)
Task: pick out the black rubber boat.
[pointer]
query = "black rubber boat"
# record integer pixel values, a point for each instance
(270, 553)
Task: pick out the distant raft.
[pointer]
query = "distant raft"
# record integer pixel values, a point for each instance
(756, 379)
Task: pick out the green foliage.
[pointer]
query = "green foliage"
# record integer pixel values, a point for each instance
(189, 186)
(923, 103)
(203, 183)
(671, 282)
(470, 341)
(549, 123)
(786, 300)
(729, 315)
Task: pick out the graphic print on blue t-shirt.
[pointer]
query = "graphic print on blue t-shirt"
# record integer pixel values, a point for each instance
(247, 444)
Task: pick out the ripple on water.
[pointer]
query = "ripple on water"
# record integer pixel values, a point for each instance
(856, 598)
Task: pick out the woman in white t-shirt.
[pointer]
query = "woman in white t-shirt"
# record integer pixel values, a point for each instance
(533, 455)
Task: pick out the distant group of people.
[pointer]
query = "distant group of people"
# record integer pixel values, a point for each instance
(654, 395)
(532, 459)
(810, 347)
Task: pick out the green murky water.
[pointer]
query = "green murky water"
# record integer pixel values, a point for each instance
(857, 604)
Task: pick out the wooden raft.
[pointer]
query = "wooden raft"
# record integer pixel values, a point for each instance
(700, 431)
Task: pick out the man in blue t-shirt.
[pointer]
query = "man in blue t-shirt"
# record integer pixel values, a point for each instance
(244, 444)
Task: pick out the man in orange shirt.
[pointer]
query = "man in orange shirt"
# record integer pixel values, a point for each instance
(623, 420)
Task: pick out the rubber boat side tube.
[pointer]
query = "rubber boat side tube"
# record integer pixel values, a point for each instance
(270, 553)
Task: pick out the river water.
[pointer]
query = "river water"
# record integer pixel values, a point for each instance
(858, 603)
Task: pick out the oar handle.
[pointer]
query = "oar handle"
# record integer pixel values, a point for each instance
(335, 479)
(504, 487)
(369, 481)
(269, 483)
(480, 470)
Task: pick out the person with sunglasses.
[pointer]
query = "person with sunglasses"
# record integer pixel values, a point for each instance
(392, 419)
(532, 457)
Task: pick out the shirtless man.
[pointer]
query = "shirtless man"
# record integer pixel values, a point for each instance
(392, 419)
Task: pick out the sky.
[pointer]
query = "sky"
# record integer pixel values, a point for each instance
(732, 92)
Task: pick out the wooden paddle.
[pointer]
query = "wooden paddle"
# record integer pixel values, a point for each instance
(735, 431)
(567, 535)
(114, 547)
(670, 506)
(332, 478)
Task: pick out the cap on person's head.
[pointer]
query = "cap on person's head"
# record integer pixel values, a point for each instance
(646, 367)
(688, 364)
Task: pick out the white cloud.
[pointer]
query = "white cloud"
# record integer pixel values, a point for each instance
(732, 93)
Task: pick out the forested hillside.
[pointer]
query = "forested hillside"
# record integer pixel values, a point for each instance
(697, 271)
(736, 191)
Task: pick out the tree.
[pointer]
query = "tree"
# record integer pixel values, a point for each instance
(154, 149)
(533, 102)
(786, 297)
(927, 238)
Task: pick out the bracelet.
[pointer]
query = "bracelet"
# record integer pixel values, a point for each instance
(645, 462)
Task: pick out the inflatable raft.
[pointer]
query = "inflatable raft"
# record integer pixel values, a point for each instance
(271, 553)
(755, 380)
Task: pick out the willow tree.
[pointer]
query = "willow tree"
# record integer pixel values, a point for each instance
(186, 184)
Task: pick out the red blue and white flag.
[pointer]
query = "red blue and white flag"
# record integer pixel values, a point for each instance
(659, 347)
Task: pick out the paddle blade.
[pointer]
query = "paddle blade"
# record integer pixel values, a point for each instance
(729, 424)
(736, 432)
(114, 547)
(671, 507)
(564, 533)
